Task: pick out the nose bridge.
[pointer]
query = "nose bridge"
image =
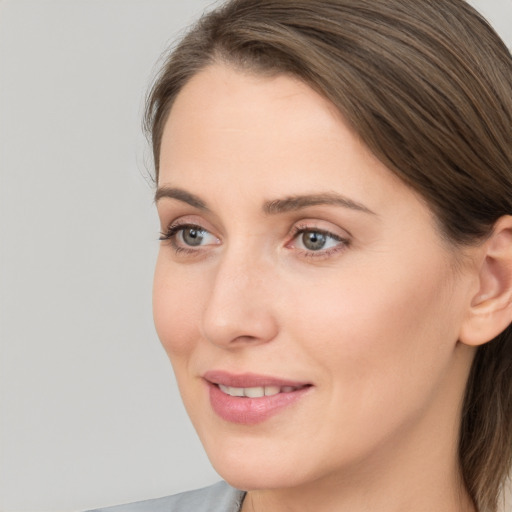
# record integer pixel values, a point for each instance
(239, 308)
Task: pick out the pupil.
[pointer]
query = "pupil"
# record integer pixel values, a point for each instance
(192, 236)
(314, 241)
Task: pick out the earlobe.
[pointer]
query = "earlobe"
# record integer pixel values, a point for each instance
(490, 311)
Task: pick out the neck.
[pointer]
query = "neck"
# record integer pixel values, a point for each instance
(394, 487)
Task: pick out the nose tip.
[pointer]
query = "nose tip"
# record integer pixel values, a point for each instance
(239, 309)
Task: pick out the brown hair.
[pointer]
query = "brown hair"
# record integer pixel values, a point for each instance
(428, 87)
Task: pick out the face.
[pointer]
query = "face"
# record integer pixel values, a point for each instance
(306, 300)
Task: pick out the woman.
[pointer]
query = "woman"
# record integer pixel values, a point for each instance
(334, 284)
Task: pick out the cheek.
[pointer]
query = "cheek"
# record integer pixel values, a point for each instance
(382, 347)
(176, 309)
(375, 327)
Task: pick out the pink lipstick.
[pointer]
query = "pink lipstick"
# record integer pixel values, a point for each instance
(248, 398)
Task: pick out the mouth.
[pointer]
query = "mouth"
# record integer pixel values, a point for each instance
(258, 391)
(249, 398)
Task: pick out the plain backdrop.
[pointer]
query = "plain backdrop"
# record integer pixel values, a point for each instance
(89, 411)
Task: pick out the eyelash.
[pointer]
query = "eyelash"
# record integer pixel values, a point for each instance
(343, 244)
(170, 237)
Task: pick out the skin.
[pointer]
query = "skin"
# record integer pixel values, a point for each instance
(372, 321)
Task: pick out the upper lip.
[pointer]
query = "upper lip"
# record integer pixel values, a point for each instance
(249, 380)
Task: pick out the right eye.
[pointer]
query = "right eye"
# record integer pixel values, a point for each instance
(192, 236)
(188, 236)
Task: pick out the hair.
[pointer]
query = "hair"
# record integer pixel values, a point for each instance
(427, 86)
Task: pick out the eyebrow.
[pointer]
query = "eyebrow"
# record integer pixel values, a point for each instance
(180, 195)
(300, 202)
(276, 206)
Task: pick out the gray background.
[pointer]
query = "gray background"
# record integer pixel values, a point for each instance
(89, 413)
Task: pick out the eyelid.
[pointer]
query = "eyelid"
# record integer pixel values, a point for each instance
(174, 229)
(320, 226)
(182, 221)
(170, 235)
(313, 226)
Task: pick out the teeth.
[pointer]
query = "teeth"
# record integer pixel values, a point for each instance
(272, 390)
(256, 392)
(236, 391)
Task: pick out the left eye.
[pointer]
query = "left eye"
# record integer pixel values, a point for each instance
(316, 240)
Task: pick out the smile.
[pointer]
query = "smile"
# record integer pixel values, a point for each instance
(250, 399)
(257, 392)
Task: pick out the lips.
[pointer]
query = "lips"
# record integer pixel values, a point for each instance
(249, 398)
(247, 380)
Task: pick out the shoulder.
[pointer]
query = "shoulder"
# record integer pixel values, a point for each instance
(220, 497)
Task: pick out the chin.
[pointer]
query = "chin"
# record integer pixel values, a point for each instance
(257, 467)
(252, 478)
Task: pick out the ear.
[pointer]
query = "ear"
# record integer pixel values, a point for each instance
(490, 311)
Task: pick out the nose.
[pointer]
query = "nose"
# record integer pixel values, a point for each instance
(240, 306)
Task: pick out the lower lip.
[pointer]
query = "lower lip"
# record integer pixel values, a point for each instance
(250, 411)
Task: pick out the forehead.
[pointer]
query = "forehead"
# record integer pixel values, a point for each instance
(222, 98)
(226, 118)
(258, 138)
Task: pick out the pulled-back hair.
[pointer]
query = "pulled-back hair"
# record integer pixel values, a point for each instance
(427, 86)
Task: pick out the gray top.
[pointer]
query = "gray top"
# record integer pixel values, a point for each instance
(219, 497)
